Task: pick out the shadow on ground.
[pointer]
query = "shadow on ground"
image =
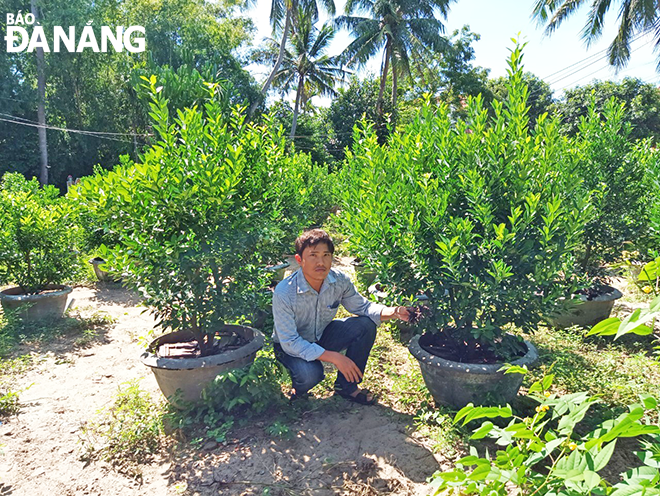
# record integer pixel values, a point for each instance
(338, 448)
(114, 293)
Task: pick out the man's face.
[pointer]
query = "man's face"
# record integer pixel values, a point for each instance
(315, 262)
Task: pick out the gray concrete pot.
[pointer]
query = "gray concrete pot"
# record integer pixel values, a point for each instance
(101, 275)
(192, 375)
(587, 313)
(456, 384)
(42, 306)
(278, 270)
(363, 274)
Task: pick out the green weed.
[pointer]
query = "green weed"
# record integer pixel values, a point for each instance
(279, 429)
(128, 433)
(9, 404)
(236, 398)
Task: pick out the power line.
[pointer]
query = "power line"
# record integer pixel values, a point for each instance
(604, 67)
(85, 133)
(601, 53)
(77, 130)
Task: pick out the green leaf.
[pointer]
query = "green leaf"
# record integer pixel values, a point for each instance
(649, 459)
(481, 472)
(482, 431)
(591, 479)
(514, 369)
(641, 474)
(631, 490)
(607, 327)
(602, 458)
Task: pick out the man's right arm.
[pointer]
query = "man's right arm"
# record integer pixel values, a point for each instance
(287, 332)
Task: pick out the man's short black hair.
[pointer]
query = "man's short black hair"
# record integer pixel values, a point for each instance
(312, 238)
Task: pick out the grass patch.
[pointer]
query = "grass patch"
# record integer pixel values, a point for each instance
(84, 328)
(128, 433)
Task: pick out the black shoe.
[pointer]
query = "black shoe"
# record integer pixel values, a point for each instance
(298, 396)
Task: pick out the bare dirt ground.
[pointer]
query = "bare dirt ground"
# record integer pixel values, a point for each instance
(336, 448)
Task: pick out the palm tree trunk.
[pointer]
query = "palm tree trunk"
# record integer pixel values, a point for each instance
(41, 106)
(394, 89)
(280, 57)
(296, 107)
(383, 77)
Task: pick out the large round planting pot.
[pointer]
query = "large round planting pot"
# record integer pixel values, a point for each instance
(101, 275)
(192, 375)
(456, 384)
(48, 305)
(588, 313)
(363, 274)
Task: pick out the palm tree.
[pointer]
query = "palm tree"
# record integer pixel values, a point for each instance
(636, 17)
(286, 10)
(305, 64)
(403, 29)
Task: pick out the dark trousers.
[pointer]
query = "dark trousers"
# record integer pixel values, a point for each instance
(356, 335)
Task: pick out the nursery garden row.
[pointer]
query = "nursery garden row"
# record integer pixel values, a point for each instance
(495, 227)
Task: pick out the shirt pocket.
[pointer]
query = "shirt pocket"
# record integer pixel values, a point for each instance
(329, 311)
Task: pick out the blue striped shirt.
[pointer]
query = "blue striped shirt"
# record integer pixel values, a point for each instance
(301, 314)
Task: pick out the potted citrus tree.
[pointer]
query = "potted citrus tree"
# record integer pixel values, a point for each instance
(483, 216)
(195, 222)
(615, 169)
(37, 238)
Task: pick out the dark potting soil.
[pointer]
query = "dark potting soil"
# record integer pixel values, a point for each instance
(594, 292)
(224, 341)
(443, 345)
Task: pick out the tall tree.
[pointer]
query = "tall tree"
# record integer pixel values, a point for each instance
(93, 92)
(404, 31)
(635, 17)
(641, 110)
(449, 76)
(41, 105)
(286, 10)
(305, 65)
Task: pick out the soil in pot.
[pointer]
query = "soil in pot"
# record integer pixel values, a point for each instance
(444, 345)
(222, 342)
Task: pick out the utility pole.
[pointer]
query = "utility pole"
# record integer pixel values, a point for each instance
(41, 108)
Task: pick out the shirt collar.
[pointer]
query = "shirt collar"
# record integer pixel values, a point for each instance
(303, 286)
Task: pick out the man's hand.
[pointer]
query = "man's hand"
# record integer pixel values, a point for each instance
(389, 313)
(344, 365)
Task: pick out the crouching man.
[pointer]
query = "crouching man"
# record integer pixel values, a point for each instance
(304, 306)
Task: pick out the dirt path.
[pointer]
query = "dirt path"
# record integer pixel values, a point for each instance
(336, 448)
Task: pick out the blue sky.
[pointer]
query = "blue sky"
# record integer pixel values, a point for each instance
(562, 59)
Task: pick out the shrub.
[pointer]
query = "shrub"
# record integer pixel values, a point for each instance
(198, 218)
(612, 165)
(483, 216)
(37, 234)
